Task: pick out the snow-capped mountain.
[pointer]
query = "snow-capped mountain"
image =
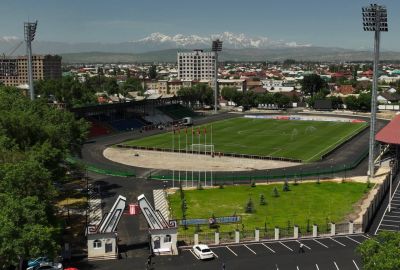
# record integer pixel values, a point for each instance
(159, 41)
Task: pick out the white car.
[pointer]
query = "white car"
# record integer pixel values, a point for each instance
(203, 252)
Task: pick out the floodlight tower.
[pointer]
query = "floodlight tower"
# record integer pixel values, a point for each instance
(30, 31)
(216, 47)
(374, 20)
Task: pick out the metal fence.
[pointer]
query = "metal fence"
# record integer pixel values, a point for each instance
(265, 234)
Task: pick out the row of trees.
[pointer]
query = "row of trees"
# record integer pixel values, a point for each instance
(34, 141)
(73, 93)
(200, 93)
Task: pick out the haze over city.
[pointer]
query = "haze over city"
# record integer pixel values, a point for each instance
(331, 24)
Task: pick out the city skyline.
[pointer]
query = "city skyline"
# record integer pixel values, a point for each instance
(337, 24)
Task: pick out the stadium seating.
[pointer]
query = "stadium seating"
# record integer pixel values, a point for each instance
(97, 129)
(177, 111)
(126, 124)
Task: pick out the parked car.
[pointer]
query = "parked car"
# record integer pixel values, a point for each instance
(203, 252)
(49, 266)
(36, 262)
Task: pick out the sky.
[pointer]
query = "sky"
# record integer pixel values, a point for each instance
(327, 23)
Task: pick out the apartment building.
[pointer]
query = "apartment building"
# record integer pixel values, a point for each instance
(196, 65)
(14, 70)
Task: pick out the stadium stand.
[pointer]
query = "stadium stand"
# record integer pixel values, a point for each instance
(158, 117)
(177, 111)
(126, 124)
(97, 129)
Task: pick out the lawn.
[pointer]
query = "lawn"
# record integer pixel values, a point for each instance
(305, 202)
(303, 140)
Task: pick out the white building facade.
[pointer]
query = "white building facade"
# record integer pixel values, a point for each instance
(196, 65)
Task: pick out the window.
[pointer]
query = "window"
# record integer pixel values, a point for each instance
(167, 238)
(96, 244)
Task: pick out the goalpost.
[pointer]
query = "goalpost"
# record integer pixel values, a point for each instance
(201, 148)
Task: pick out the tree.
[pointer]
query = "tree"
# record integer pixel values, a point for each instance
(312, 84)
(153, 72)
(352, 103)
(262, 200)
(228, 93)
(381, 252)
(249, 206)
(275, 192)
(131, 85)
(286, 186)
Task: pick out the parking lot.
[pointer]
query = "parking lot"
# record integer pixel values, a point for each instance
(319, 253)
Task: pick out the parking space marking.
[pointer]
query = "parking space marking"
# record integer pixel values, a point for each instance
(193, 254)
(337, 267)
(356, 265)
(353, 240)
(387, 207)
(273, 251)
(316, 266)
(215, 254)
(297, 267)
(343, 245)
(320, 243)
(286, 246)
(250, 249)
(231, 250)
(303, 244)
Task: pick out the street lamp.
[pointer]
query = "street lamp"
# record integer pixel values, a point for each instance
(216, 47)
(374, 20)
(29, 32)
(391, 165)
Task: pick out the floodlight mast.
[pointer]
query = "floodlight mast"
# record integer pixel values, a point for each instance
(30, 31)
(374, 20)
(216, 47)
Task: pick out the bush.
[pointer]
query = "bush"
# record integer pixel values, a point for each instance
(249, 206)
(286, 186)
(253, 183)
(262, 200)
(275, 192)
(221, 186)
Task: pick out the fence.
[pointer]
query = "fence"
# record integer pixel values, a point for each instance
(264, 234)
(223, 178)
(377, 201)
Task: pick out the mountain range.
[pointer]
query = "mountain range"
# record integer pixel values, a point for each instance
(158, 47)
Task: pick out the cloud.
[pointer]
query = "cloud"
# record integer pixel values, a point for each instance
(9, 38)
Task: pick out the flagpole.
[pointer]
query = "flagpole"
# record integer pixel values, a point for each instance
(192, 154)
(173, 152)
(186, 156)
(205, 155)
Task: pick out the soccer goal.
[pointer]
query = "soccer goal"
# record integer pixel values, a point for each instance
(202, 148)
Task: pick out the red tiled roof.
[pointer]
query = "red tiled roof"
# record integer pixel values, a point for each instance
(345, 89)
(390, 134)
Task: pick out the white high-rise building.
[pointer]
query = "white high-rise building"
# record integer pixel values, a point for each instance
(196, 65)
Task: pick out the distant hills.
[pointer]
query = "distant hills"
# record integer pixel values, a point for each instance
(322, 54)
(158, 47)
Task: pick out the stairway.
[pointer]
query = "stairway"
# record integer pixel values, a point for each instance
(161, 202)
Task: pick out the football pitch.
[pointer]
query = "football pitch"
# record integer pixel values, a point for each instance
(303, 140)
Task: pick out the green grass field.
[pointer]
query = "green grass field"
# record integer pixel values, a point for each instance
(303, 140)
(307, 201)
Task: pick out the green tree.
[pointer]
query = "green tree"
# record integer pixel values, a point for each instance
(381, 252)
(228, 93)
(352, 103)
(153, 72)
(249, 206)
(275, 192)
(286, 186)
(312, 84)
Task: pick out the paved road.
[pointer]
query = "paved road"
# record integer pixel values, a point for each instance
(334, 253)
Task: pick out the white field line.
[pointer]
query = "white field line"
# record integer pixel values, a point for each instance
(320, 243)
(215, 254)
(250, 249)
(340, 243)
(193, 254)
(286, 246)
(356, 265)
(231, 250)
(273, 251)
(297, 267)
(386, 210)
(337, 142)
(316, 266)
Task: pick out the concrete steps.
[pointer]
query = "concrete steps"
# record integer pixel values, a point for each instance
(161, 203)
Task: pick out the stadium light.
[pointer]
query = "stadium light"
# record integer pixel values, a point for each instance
(374, 20)
(216, 47)
(29, 32)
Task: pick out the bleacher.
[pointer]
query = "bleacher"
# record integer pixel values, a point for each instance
(177, 111)
(126, 124)
(96, 129)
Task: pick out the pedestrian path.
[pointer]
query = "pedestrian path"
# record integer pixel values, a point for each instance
(95, 209)
(161, 202)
